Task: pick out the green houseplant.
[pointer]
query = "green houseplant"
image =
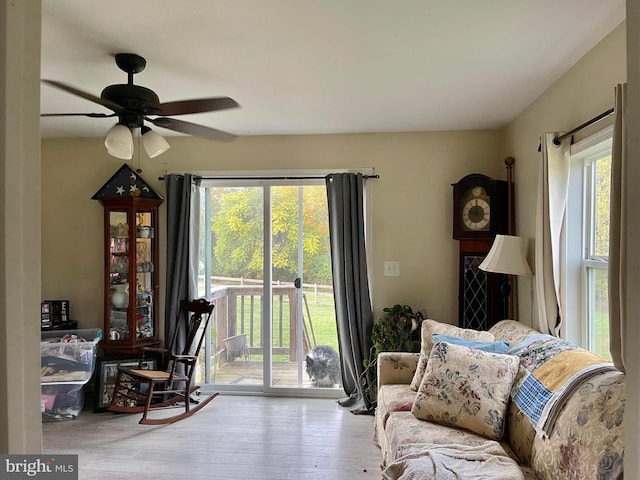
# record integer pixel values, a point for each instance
(393, 332)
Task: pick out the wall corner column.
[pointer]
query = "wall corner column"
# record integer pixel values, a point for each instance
(20, 226)
(632, 273)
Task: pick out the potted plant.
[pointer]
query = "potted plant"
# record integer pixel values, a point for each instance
(393, 332)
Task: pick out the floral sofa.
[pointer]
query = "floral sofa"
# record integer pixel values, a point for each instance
(423, 428)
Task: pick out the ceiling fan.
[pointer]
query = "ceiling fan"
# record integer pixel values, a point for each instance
(134, 105)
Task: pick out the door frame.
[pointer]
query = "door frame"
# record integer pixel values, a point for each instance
(263, 179)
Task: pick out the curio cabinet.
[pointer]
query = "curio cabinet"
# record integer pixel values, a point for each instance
(131, 277)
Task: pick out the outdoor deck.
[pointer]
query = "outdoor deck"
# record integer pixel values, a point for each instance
(285, 374)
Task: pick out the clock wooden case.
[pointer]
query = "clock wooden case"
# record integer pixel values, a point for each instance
(480, 207)
(480, 211)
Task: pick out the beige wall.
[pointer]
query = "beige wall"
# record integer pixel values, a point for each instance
(412, 204)
(585, 91)
(411, 201)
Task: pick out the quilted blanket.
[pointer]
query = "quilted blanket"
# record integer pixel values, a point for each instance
(551, 369)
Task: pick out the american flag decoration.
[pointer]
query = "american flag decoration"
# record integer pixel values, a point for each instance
(125, 183)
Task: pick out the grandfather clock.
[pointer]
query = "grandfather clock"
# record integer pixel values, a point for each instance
(480, 211)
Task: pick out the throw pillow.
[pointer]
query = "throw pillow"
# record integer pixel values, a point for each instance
(494, 347)
(429, 327)
(467, 388)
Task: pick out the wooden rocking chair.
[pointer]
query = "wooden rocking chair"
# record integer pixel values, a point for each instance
(138, 390)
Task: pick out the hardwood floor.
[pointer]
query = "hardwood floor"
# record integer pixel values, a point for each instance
(233, 438)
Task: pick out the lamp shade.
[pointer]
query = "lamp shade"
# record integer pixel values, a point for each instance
(119, 142)
(506, 256)
(154, 143)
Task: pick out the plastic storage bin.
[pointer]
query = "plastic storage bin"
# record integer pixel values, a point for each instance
(67, 363)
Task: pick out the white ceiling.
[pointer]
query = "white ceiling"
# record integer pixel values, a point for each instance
(321, 66)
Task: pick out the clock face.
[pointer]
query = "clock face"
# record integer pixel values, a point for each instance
(476, 212)
(480, 207)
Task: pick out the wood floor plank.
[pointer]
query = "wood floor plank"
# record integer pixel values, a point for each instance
(233, 438)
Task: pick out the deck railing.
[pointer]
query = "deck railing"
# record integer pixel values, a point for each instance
(236, 312)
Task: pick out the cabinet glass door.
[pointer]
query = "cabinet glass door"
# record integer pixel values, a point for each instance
(131, 277)
(119, 248)
(144, 267)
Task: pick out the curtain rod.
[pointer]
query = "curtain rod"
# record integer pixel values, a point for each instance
(558, 140)
(290, 177)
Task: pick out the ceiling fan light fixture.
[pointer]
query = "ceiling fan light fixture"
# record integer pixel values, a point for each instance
(119, 142)
(154, 143)
(132, 103)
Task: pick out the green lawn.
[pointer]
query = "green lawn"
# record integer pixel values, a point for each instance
(601, 334)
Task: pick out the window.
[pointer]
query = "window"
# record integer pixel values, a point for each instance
(588, 243)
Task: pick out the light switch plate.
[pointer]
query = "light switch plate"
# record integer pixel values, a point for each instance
(392, 269)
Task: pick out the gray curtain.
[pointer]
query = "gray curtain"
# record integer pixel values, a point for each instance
(180, 279)
(354, 318)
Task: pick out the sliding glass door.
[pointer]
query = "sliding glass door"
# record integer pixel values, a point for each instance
(265, 263)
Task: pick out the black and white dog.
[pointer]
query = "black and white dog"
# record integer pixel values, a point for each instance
(323, 367)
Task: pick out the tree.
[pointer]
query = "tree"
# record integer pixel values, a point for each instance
(602, 185)
(603, 204)
(237, 232)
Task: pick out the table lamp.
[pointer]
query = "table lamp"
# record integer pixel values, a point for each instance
(507, 257)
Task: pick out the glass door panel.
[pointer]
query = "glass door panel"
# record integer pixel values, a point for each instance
(304, 338)
(231, 276)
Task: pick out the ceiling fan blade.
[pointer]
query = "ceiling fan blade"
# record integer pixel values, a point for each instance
(87, 96)
(90, 115)
(192, 129)
(199, 105)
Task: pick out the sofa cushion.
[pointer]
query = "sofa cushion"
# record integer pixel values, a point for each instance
(391, 398)
(403, 430)
(512, 331)
(395, 398)
(436, 461)
(429, 327)
(467, 388)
